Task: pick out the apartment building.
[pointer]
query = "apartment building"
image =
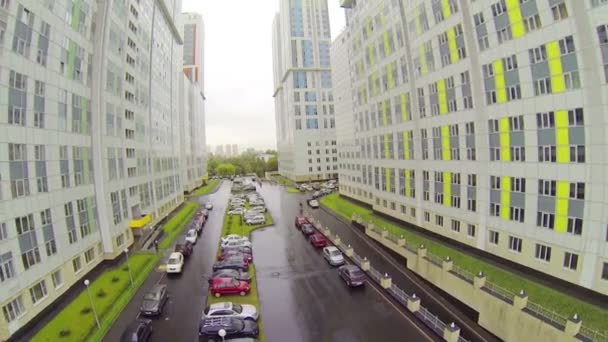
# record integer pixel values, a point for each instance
(89, 139)
(304, 102)
(484, 121)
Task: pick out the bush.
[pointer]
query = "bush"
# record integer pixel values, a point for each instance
(115, 279)
(64, 333)
(86, 310)
(101, 293)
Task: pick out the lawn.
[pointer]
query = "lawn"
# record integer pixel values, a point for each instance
(176, 224)
(593, 316)
(292, 190)
(282, 180)
(111, 292)
(232, 225)
(205, 189)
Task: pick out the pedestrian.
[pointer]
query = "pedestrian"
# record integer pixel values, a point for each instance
(301, 209)
(156, 245)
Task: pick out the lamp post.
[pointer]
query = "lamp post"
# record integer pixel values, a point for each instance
(86, 283)
(222, 334)
(129, 266)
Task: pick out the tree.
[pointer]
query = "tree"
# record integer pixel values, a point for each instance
(271, 152)
(225, 169)
(272, 164)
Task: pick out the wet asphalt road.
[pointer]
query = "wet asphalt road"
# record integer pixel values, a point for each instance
(302, 298)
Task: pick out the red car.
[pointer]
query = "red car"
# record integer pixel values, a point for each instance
(228, 286)
(318, 240)
(248, 258)
(300, 220)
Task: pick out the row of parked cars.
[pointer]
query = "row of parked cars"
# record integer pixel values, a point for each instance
(155, 300)
(350, 274)
(250, 207)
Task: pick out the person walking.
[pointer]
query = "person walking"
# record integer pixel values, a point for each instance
(156, 245)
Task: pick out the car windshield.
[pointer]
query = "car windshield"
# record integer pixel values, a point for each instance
(173, 261)
(335, 253)
(237, 308)
(235, 283)
(152, 296)
(356, 273)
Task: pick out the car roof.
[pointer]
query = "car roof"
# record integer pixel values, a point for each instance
(331, 248)
(351, 268)
(175, 255)
(221, 280)
(221, 306)
(157, 288)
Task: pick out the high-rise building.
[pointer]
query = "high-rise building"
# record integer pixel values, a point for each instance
(193, 154)
(235, 149)
(304, 102)
(219, 150)
(194, 40)
(228, 150)
(482, 121)
(90, 149)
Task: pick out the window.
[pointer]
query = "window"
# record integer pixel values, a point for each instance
(575, 226)
(515, 244)
(494, 237)
(543, 252)
(559, 11)
(3, 232)
(14, 309)
(77, 264)
(577, 191)
(57, 279)
(89, 255)
(545, 220)
(456, 226)
(120, 240)
(38, 292)
(605, 271)
(471, 230)
(439, 221)
(7, 268)
(30, 258)
(427, 216)
(571, 261)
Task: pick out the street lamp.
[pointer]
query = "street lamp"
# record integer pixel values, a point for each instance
(129, 266)
(222, 334)
(86, 283)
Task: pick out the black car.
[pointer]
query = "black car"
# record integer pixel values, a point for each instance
(228, 273)
(231, 264)
(209, 328)
(308, 229)
(138, 331)
(352, 275)
(154, 301)
(242, 249)
(184, 248)
(316, 194)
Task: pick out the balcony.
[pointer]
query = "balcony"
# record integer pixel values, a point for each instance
(141, 222)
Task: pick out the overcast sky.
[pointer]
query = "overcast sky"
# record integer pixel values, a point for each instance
(238, 69)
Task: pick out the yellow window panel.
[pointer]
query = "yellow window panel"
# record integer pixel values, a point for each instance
(562, 139)
(408, 183)
(374, 86)
(368, 26)
(447, 11)
(387, 172)
(370, 51)
(505, 139)
(447, 189)
(387, 47)
(384, 118)
(389, 72)
(417, 21)
(441, 93)
(445, 142)
(423, 67)
(505, 197)
(452, 45)
(558, 84)
(517, 23)
(561, 206)
(403, 99)
(386, 147)
(406, 146)
(499, 79)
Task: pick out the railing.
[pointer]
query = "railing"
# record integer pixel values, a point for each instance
(461, 272)
(398, 294)
(499, 292)
(411, 247)
(434, 259)
(394, 238)
(377, 230)
(431, 320)
(548, 315)
(356, 259)
(375, 274)
(594, 335)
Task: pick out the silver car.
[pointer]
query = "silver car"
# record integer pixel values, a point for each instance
(229, 309)
(258, 219)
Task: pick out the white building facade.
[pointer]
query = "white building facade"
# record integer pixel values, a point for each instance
(484, 122)
(90, 139)
(304, 102)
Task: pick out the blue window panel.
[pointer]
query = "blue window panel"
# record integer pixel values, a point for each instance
(325, 79)
(308, 53)
(311, 110)
(310, 96)
(312, 124)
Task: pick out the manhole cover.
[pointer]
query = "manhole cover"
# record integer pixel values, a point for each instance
(275, 274)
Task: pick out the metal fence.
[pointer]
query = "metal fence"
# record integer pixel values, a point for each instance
(594, 335)
(398, 294)
(375, 274)
(431, 320)
(411, 247)
(499, 292)
(377, 230)
(394, 238)
(356, 259)
(546, 314)
(434, 259)
(463, 273)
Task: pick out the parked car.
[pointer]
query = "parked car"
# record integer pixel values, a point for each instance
(192, 236)
(154, 301)
(175, 264)
(234, 237)
(258, 219)
(184, 248)
(308, 229)
(352, 275)
(313, 203)
(237, 258)
(138, 331)
(232, 264)
(209, 206)
(259, 209)
(234, 328)
(242, 249)
(236, 211)
(300, 220)
(235, 274)
(243, 243)
(316, 194)
(233, 253)
(229, 309)
(204, 212)
(318, 240)
(333, 256)
(228, 286)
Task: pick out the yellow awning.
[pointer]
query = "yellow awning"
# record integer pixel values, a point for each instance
(140, 223)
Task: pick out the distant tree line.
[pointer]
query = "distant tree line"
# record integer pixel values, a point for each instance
(247, 162)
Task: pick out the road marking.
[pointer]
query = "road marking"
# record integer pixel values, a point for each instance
(399, 310)
(367, 240)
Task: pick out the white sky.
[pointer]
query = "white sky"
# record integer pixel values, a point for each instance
(238, 69)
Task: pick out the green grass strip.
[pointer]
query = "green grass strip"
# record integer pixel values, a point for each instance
(593, 317)
(292, 190)
(111, 292)
(177, 223)
(204, 190)
(283, 180)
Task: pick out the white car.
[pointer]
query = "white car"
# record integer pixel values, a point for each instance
(209, 206)
(229, 309)
(257, 219)
(333, 256)
(234, 237)
(313, 203)
(235, 211)
(175, 264)
(242, 243)
(192, 236)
